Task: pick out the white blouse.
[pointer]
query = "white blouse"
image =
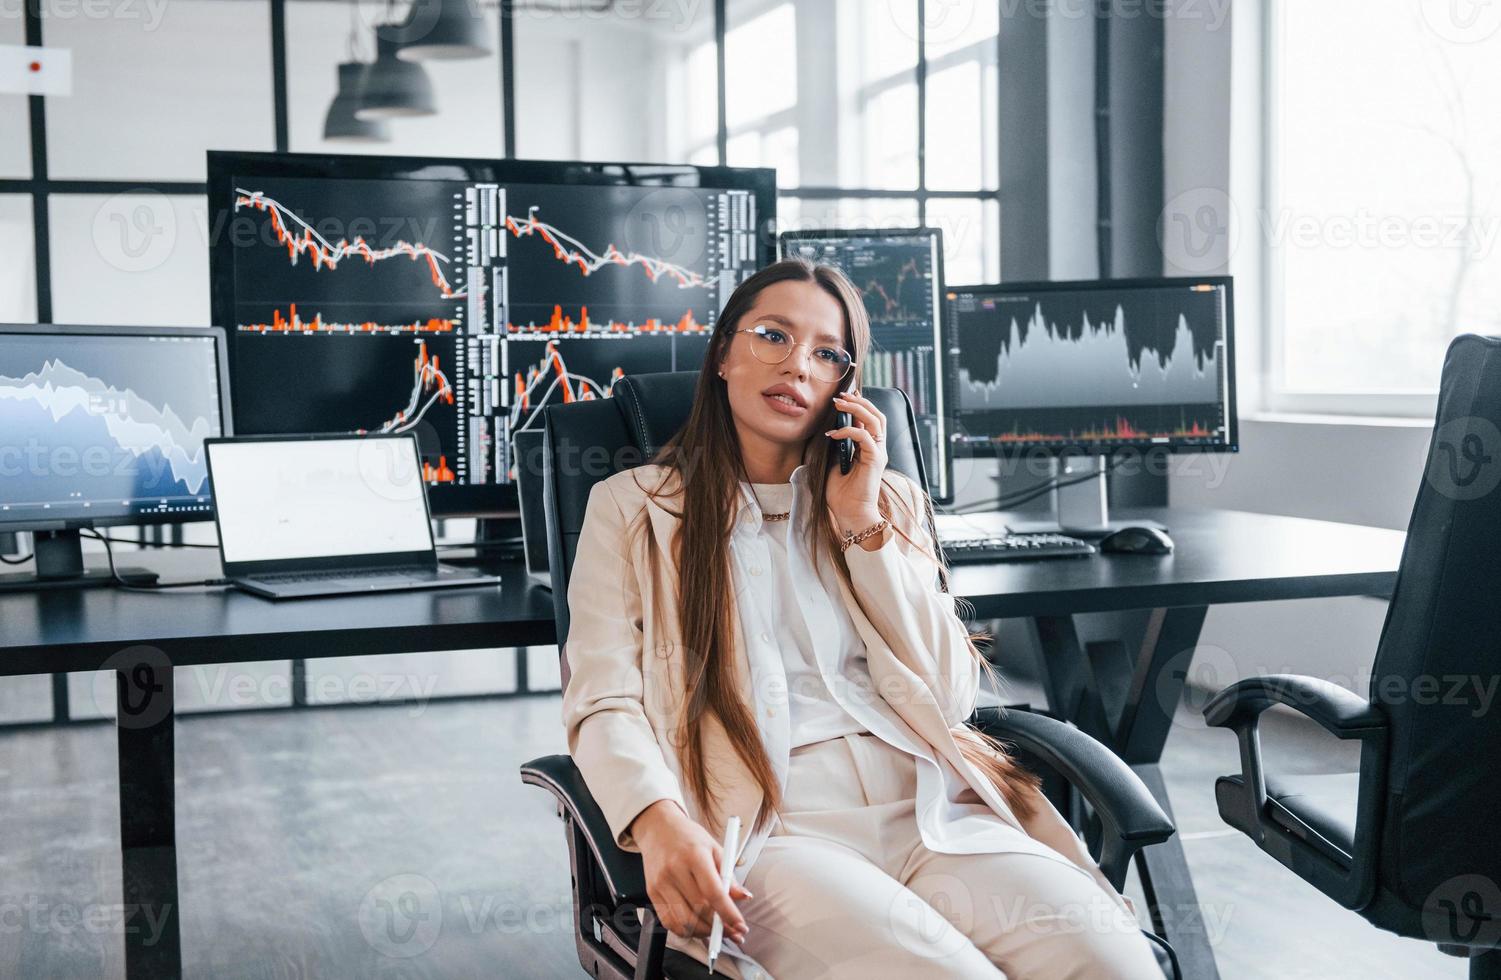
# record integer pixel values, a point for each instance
(814, 714)
(809, 664)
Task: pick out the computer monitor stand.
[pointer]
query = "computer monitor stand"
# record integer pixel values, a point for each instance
(59, 565)
(1081, 509)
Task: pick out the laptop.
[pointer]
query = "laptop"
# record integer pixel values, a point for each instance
(303, 516)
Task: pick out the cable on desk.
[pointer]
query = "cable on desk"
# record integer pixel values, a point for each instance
(110, 541)
(120, 582)
(1025, 496)
(1057, 483)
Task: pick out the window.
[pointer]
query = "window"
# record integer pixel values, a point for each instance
(150, 94)
(633, 82)
(824, 91)
(760, 90)
(963, 117)
(827, 92)
(835, 94)
(1381, 223)
(971, 238)
(138, 258)
(15, 148)
(17, 260)
(467, 92)
(814, 214)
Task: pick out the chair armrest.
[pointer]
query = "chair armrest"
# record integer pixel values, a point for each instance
(1341, 713)
(1239, 707)
(1130, 816)
(622, 870)
(1348, 878)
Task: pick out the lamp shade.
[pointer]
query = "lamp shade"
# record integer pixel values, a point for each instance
(443, 30)
(341, 125)
(395, 88)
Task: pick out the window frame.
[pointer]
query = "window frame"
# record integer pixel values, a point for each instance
(40, 186)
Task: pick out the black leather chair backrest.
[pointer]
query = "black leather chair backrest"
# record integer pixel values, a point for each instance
(589, 441)
(1440, 640)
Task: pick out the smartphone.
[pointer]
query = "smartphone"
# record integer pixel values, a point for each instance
(846, 447)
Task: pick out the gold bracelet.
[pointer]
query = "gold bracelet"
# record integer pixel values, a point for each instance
(853, 539)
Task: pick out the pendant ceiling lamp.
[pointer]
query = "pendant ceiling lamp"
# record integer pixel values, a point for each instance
(443, 30)
(341, 125)
(395, 88)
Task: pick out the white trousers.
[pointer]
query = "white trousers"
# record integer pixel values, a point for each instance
(845, 887)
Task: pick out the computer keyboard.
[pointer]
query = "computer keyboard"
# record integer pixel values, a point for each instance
(1012, 547)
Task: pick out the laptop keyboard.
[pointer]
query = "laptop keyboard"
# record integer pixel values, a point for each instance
(282, 578)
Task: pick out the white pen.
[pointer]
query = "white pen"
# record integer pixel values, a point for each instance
(726, 875)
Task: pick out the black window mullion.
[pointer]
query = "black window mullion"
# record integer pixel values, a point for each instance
(40, 225)
(922, 114)
(279, 72)
(1103, 223)
(507, 79)
(16, 185)
(722, 131)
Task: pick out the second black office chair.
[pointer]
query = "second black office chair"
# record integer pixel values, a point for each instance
(1412, 841)
(609, 885)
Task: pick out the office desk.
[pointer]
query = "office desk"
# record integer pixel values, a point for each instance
(1124, 697)
(142, 636)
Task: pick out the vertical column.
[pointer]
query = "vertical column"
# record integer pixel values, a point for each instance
(1134, 66)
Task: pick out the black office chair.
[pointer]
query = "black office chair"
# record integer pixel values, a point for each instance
(609, 885)
(1413, 840)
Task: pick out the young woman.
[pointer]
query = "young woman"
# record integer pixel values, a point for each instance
(755, 633)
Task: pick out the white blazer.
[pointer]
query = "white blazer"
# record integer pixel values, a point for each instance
(626, 672)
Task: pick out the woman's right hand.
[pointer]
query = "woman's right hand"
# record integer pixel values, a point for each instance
(682, 863)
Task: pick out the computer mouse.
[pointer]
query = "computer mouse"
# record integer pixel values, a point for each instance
(1137, 540)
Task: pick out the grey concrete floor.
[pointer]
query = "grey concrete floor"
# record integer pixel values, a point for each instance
(302, 833)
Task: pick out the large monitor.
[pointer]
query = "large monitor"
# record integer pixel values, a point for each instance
(455, 298)
(1092, 368)
(104, 426)
(899, 273)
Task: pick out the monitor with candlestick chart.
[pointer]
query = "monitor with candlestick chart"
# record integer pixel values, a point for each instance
(1092, 367)
(899, 273)
(456, 298)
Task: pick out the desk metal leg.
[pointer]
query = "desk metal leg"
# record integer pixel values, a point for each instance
(1128, 702)
(148, 838)
(1169, 889)
(61, 711)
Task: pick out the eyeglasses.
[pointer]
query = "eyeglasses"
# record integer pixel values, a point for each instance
(773, 345)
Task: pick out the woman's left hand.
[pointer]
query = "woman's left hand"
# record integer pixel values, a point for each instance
(852, 496)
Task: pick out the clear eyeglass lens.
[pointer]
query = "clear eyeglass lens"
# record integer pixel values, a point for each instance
(772, 346)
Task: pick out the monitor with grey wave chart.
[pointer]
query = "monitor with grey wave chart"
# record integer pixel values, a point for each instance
(106, 425)
(1093, 366)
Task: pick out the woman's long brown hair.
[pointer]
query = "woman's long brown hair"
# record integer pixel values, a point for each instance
(704, 466)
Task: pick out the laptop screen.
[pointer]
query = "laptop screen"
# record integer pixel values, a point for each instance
(286, 500)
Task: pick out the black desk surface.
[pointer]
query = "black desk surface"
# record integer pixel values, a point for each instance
(78, 629)
(1221, 556)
